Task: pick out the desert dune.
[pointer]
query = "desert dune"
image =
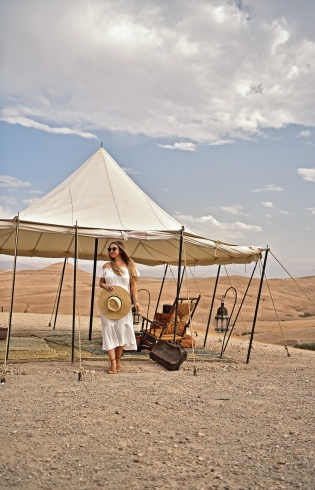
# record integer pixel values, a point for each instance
(35, 292)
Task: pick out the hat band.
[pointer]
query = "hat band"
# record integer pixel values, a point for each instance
(114, 303)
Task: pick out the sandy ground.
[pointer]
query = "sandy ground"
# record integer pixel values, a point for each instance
(232, 426)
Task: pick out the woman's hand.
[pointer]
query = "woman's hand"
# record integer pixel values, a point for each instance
(108, 287)
(137, 306)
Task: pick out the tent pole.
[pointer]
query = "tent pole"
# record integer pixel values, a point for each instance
(74, 288)
(59, 292)
(178, 280)
(13, 286)
(93, 288)
(239, 310)
(257, 305)
(161, 289)
(211, 307)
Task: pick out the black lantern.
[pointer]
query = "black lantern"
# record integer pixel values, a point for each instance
(222, 319)
(136, 316)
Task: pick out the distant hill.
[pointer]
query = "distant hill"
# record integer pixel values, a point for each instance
(6, 265)
(273, 271)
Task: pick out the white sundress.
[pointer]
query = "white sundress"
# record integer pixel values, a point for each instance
(118, 332)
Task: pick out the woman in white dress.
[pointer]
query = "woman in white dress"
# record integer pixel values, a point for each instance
(119, 334)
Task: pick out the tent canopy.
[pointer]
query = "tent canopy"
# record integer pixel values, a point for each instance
(103, 202)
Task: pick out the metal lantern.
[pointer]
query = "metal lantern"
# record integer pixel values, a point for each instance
(222, 319)
(136, 316)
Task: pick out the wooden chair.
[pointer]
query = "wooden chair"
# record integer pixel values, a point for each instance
(162, 326)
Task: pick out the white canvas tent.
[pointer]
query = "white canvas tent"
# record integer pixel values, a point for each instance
(105, 204)
(97, 204)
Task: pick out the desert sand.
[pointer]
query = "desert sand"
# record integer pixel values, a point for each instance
(35, 292)
(230, 426)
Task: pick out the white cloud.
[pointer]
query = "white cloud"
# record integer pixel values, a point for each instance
(221, 142)
(307, 174)
(207, 71)
(130, 171)
(284, 212)
(232, 209)
(268, 204)
(8, 181)
(8, 200)
(269, 187)
(268, 216)
(180, 146)
(208, 226)
(311, 209)
(35, 192)
(29, 123)
(6, 212)
(304, 134)
(31, 201)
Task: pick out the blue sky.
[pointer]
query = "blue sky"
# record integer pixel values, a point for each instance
(209, 106)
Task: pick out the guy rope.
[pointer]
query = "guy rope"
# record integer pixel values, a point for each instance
(196, 368)
(81, 372)
(4, 372)
(276, 313)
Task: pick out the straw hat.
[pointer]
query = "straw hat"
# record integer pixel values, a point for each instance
(114, 304)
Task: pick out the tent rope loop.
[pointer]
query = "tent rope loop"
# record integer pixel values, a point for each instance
(217, 243)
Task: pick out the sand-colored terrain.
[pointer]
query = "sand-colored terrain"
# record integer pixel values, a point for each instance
(35, 292)
(233, 426)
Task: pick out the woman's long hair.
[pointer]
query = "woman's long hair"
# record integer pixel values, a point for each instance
(131, 266)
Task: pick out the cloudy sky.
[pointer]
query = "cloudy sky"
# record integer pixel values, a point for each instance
(208, 105)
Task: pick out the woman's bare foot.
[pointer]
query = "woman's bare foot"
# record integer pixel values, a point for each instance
(113, 368)
(118, 364)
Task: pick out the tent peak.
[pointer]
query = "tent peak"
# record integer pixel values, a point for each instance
(100, 194)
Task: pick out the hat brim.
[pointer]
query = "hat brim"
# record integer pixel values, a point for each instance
(124, 297)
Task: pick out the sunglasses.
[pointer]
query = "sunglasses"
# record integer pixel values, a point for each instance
(112, 249)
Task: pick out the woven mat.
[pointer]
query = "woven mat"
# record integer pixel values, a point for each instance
(57, 346)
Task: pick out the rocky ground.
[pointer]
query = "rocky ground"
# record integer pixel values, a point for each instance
(232, 426)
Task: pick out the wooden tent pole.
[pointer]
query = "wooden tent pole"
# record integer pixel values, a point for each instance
(13, 286)
(257, 305)
(74, 289)
(93, 288)
(178, 280)
(211, 307)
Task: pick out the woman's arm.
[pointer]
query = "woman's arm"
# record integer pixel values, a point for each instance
(102, 283)
(134, 293)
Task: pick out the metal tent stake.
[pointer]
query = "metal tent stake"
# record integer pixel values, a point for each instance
(257, 305)
(211, 307)
(74, 289)
(93, 288)
(178, 281)
(13, 286)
